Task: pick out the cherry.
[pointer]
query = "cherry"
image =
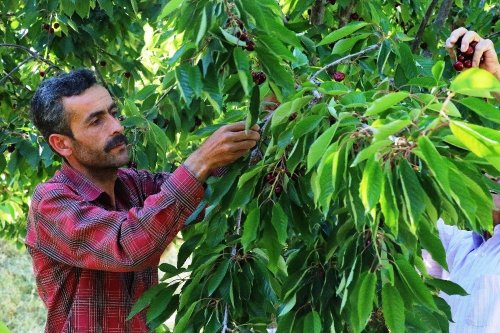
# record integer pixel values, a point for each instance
(278, 189)
(56, 25)
(242, 36)
(51, 30)
(102, 63)
(197, 121)
(270, 178)
(42, 73)
(354, 16)
(459, 66)
(292, 117)
(470, 51)
(127, 75)
(468, 63)
(332, 2)
(338, 76)
(473, 44)
(259, 77)
(250, 46)
(460, 58)
(11, 148)
(423, 46)
(46, 27)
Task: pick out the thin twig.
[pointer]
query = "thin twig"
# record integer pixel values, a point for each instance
(2, 80)
(33, 53)
(445, 103)
(338, 61)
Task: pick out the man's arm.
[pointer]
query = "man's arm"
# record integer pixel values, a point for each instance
(78, 233)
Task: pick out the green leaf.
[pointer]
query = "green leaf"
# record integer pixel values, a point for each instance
(145, 299)
(312, 322)
(82, 8)
(160, 303)
(134, 6)
(319, 147)
(371, 150)
(364, 301)
(449, 287)
(253, 112)
(385, 102)
(250, 174)
(169, 8)
(161, 138)
(371, 184)
(450, 108)
(389, 206)
(288, 305)
(412, 190)
(435, 162)
(183, 81)
(306, 125)
(414, 283)
(216, 279)
(250, 226)
(390, 128)
(482, 108)
(282, 113)
(279, 221)
(203, 26)
(393, 308)
(431, 242)
(475, 82)
(342, 32)
(243, 66)
(185, 319)
(407, 61)
(437, 70)
(383, 55)
(345, 45)
(482, 141)
(232, 39)
(107, 5)
(4, 328)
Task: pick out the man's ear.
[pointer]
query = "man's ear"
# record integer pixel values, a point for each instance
(61, 144)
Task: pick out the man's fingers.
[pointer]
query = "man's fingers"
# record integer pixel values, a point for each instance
(239, 126)
(469, 37)
(454, 36)
(242, 145)
(481, 50)
(243, 135)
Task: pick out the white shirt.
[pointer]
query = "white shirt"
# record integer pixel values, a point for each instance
(474, 264)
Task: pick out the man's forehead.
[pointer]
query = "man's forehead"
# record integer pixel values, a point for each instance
(92, 99)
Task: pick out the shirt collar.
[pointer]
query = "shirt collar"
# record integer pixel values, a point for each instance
(85, 187)
(478, 239)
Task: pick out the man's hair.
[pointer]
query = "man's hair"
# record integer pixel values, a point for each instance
(47, 110)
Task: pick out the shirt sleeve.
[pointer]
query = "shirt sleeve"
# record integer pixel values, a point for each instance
(79, 233)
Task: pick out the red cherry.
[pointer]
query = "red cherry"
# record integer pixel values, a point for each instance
(473, 44)
(259, 77)
(354, 16)
(270, 178)
(278, 189)
(250, 46)
(11, 148)
(51, 30)
(460, 58)
(42, 73)
(468, 63)
(46, 27)
(338, 76)
(56, 25)
(470, 51)
(459, 66)
(127, 75)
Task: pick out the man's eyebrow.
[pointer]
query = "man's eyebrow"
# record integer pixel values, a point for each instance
(100, 112)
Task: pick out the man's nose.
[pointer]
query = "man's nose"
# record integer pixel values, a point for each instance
(117, 127)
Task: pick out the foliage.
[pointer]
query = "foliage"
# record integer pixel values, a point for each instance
(365, 166)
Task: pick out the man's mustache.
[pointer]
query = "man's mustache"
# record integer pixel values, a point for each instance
(114, 142)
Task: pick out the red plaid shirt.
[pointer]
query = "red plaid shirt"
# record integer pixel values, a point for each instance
(92, 261)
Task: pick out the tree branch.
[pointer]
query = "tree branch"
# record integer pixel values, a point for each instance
(338, 61)
(33, 54)
(2, 80)
(318, 13)
(423, 25)
(443, 13)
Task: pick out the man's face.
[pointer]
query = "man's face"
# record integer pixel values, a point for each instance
(98, 141)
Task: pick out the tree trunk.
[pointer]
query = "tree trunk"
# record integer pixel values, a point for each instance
(443, 13)
(318, 13)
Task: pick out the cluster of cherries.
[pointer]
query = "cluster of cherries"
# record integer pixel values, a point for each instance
(464, 59)
(272, 176)
(243, 36)
(259, 77)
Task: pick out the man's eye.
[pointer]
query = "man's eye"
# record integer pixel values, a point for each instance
(95, 122)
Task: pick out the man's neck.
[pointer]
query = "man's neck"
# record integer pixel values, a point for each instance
(105, 179)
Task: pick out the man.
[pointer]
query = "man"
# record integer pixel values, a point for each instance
(473, 260)
(96, 231)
